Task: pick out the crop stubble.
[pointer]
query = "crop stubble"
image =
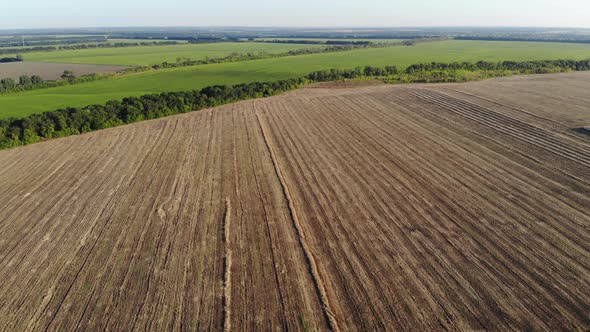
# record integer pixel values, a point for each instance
(382, 207)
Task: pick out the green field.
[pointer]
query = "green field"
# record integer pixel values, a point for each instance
(338, 39)
(149, 55)
(196, 77)
(139, 41)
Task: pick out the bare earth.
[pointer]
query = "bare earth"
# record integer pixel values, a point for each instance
(52, 71)
(433, 207)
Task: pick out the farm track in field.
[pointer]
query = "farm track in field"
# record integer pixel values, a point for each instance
(427, 207)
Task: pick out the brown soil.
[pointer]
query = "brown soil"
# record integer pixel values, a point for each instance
(428, 207)
(52, 71)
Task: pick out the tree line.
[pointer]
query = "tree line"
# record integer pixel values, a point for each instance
(72, 121)
(359, 43)
(26, 83)
(313, 42)
(17, 58)
(450, 72)
(76, 120)
(537, 67)
(23, 83)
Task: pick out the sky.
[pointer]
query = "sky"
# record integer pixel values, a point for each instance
(289, 13)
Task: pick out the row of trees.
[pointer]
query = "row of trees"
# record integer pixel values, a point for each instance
(17, 58)
(313, 42)
(25, 83)
(359, 43)
(533, 67)
(349, 74)
(71, 121)
(451, 72)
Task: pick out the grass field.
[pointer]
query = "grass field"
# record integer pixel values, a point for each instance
(404, 208)
(196, 77)
(149, 55)
(337, 39)
(138, 41)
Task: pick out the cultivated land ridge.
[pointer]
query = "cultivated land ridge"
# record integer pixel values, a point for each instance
(309, 257)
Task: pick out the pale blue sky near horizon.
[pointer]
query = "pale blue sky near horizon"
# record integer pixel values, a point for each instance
(301, 13)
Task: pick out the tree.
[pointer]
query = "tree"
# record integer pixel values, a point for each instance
(391, 70)
(36, 79)
(8, 84)
(25, 80)
(68, 75)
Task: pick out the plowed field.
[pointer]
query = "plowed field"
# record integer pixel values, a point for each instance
(425, 207)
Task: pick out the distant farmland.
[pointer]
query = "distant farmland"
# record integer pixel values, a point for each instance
(418, 208)
(150, 55)
(52, 71)
(196, 77)
(334, 39)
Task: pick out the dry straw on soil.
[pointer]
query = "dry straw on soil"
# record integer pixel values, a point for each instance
(403, 207)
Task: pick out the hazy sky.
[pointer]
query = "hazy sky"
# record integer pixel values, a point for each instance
(389, 13)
